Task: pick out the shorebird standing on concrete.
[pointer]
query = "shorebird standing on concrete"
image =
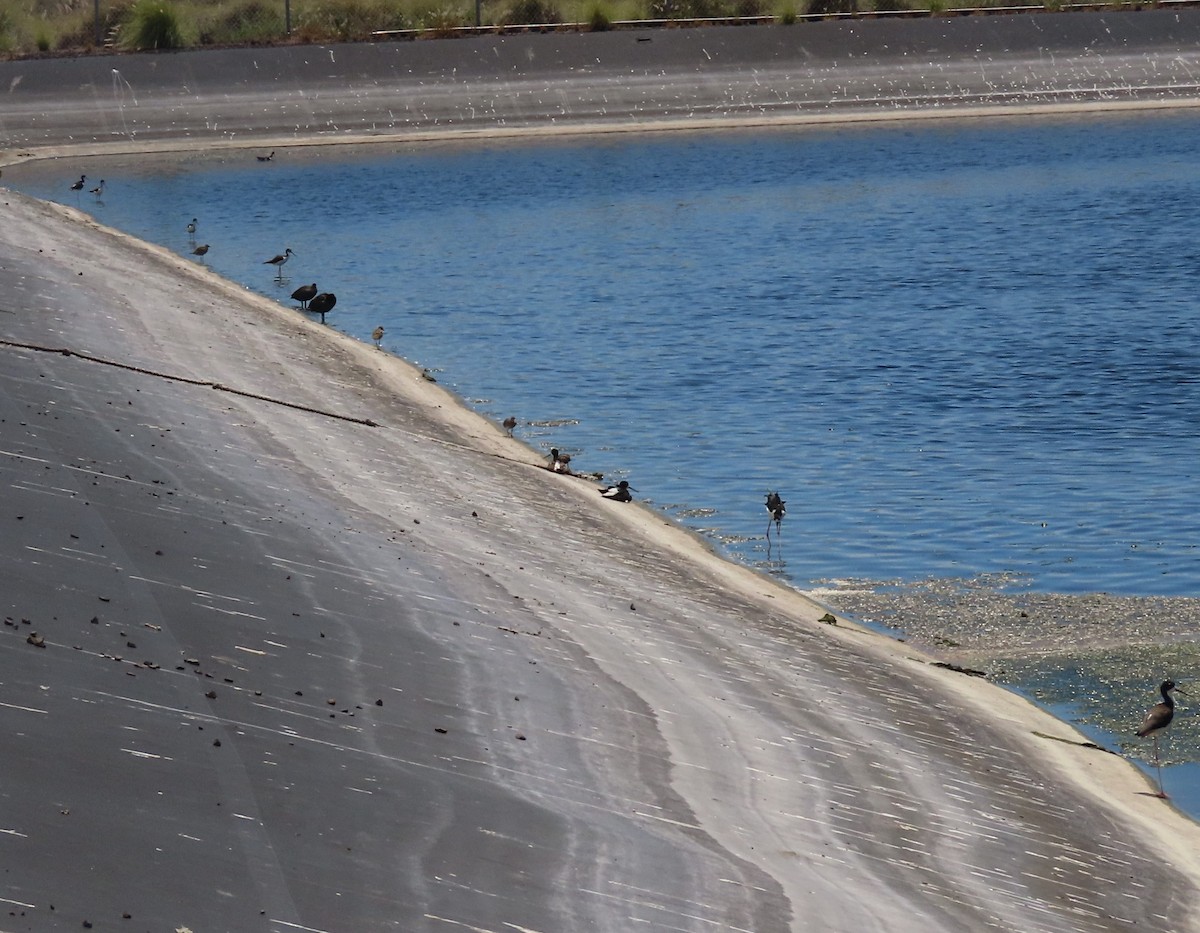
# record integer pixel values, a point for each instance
(1157, 719)
(377, 336)
(304, 294)
(509, 423)
(619, 492)
(559, 462)
(278, 261)
(322, 304)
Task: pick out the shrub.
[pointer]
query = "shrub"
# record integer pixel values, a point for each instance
(684, 9)
(531, 11)
(442, 21)
(153, 25)
(253, 21)
(597, 17)
(822, 7)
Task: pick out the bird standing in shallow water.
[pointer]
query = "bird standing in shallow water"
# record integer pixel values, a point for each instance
(98, 190)
(322, 304)
(278, 261)
(191, 230)
(1157, 719)
(377, 336)
(266, 158)
(78, 186)
(778, 508)
(619, 492)
(304, 294)
(200, 251)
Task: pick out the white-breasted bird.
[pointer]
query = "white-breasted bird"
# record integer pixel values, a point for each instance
(1158, 717)
(619, 492)
(278, 261)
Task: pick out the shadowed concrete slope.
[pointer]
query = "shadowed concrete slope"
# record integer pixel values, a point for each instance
(293, 671)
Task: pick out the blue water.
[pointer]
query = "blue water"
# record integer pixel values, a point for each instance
(954, 349)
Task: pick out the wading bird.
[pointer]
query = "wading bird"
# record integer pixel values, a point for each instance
(619, 492)
(78, 186)
(377, 336)
(778, 508)
(509, 423)
(304, 294)
(322, 304)
(266, 158)
(1157, 719)
(278, 261)
(200, 251)
(191, 229)
(98, 190)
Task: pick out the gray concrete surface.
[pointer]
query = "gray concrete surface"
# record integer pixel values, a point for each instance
(869, 68)
(293, 671)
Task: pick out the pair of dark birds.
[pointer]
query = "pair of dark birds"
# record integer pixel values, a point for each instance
(318, 302)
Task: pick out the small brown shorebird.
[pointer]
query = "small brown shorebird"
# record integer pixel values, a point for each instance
(377, 336)
(509, 423)
(304, 294)
(200, 251)
(278, 261)
(322, 304)
(1157, 719)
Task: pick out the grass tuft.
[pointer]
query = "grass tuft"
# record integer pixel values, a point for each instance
(153, 25)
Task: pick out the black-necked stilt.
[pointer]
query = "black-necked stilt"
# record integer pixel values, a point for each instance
(304, 294)
(78, 186)
(278, 261)
(619, 492)
(509, 423)
(1157, 719)
(266, 158)
(322, 304)
(377, 336)
(191, 230)
(200, 251)
(778, 508)
(98, 190)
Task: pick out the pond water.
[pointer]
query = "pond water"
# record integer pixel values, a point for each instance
(958, 351)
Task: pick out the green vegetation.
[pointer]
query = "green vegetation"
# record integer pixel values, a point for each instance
(31, 27)
(153, 25)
